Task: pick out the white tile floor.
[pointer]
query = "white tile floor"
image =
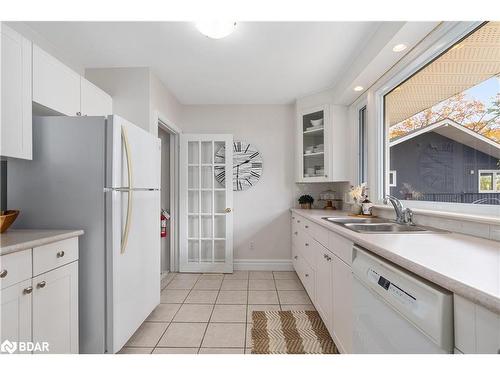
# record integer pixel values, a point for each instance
(212, 314)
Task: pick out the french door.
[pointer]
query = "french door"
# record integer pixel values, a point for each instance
(206, 200)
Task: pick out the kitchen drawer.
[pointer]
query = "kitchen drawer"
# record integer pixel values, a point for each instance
(341, 247)
(307, 276)
(14, 268)
(53, 255)
(319, 233)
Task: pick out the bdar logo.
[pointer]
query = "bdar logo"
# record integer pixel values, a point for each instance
(8, 347)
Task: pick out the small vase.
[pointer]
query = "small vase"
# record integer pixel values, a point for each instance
(355, 208)
(305, 206)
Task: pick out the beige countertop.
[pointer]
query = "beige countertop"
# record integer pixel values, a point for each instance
(20, 239)
(465, 265)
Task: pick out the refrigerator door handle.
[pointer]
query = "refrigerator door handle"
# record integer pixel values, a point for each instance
(129, 192)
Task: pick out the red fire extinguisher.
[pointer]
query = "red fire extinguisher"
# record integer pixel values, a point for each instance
(164, 216)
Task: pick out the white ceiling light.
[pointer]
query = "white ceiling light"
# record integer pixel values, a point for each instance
(399, 47)
(358, 88)
(216, 29)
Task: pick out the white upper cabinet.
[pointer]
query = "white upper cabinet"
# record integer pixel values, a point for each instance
(321, 144)
(15, 106)
(94, 101)
(55, 86)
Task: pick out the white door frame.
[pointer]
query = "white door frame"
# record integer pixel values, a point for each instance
(162, 122)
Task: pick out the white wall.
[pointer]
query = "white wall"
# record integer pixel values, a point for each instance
(261, 213)
(162, 100)
(129, 88)
(137, 95)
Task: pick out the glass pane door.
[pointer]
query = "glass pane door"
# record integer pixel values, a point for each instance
(313, 144)
(206, 203)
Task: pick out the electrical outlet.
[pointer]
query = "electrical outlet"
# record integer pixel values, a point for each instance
(252, 245)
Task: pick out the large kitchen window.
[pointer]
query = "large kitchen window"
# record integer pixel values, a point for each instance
(443, 125)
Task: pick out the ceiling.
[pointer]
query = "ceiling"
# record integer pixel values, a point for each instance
(473, 60)
(260, 63)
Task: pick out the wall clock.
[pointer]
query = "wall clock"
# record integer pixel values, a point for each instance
(247, 165)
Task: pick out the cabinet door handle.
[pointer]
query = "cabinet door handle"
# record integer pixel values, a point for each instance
(296, 233)
(298, 221)
(3, 274)
(307, 244)
(41, 284)
(295, 257)
(28, 290)
(60, 254)
(306, 275)
(293, 217)
(307, 226)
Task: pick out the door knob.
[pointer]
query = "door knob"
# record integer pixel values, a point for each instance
(227, 210)
(27, 290)
(41, 284)
(3, 274)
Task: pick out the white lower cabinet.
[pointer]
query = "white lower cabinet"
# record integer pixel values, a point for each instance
(342, 304)
(329, 278)
(477, 329)
(40, 307)
(324, 282)
(15, 307)
(55, 309)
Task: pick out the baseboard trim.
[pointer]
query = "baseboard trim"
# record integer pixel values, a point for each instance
(263, 265)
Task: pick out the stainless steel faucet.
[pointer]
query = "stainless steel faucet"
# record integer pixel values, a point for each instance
(403, 215)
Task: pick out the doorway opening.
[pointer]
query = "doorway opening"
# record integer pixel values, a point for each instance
(168, 134)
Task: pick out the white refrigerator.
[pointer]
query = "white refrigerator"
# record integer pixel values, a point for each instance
(102, 175)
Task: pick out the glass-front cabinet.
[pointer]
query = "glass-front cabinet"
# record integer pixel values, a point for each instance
(320, 149)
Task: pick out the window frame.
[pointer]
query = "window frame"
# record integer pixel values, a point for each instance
(362, 144)
(495, 175)
(438, 42)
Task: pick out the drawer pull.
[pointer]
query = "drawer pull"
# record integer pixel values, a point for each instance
(27, 290)
(306, 275)
(307, 226)
(295, 257)
(296, 233)
(298, 221)
(60, 254)
(3, 274)
(293, 217)
(41, 284)
(307, 244)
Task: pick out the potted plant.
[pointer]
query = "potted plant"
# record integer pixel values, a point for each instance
(306, 201)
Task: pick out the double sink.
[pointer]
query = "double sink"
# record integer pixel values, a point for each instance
(377, 225)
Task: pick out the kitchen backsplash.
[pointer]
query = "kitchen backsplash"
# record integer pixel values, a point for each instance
(315, 189)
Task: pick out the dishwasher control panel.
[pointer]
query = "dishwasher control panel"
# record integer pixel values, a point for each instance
(396, 292)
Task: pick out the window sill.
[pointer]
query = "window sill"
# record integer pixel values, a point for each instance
(462, 216)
